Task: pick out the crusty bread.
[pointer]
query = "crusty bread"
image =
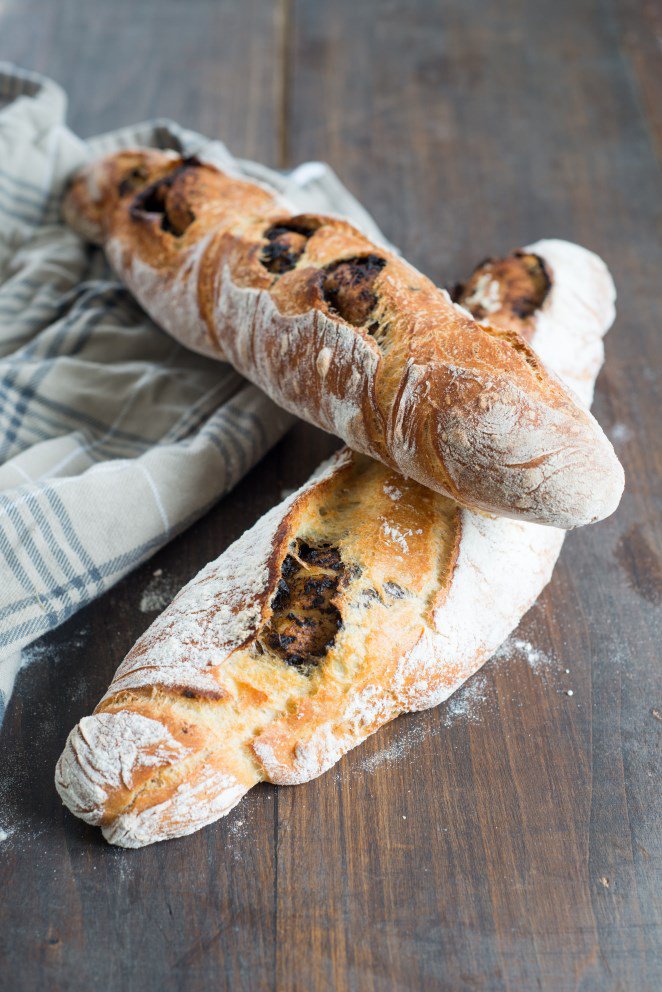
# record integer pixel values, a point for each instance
(348, 336)
(362, 596)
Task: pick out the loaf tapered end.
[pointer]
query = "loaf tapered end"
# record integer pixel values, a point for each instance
(544, 459)
(131, 776)
(602, 489)
(96, 190)
(510, 435)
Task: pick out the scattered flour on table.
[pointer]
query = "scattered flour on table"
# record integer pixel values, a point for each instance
(53, 652)
(19, 827)
(237, 828)
(546, 667)
(467, 703)
(33, 653)
(620, 434)
(123, 867)
(158, 593)
(464, 704)
(399, 747)
(538, 661)
(237, 836)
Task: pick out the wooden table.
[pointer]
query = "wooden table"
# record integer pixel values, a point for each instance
(514, 846)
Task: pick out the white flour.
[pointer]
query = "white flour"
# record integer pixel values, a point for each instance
(401, 746)
(537, 660)
(467, 704)
(54, 652)
(620, 434)
(158, 593)
(237, 835)
(18, 827)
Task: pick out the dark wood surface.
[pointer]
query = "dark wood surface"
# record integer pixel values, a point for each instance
(512, 846)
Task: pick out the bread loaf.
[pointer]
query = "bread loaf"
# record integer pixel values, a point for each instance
(349, 337)
(362, 596)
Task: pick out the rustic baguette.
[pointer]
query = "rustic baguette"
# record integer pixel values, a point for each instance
(362, 596)
(349, 336)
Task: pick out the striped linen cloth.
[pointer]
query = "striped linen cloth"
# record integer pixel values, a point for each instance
(113, 437)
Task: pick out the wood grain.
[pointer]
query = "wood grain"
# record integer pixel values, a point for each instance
(515, 846)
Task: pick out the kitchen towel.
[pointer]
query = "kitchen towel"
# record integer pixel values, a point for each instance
(113, 437)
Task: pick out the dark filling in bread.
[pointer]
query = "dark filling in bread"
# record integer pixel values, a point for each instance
(527, 304)
(305, 618)
(393, 589)
(348, 287)
(368, 597)
(286, 245)
(523, 285)
(160, 198)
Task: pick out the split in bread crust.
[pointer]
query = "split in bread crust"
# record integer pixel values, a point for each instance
(502, 288)
(350, 337)
(362, 596)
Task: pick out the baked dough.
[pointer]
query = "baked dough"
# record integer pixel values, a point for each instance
(361, 596)
(349, 337)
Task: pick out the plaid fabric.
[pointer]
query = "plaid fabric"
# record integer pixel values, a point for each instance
(113, 437)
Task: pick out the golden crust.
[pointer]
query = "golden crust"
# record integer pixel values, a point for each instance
(396, 560)
(410, 593)
(350, 337)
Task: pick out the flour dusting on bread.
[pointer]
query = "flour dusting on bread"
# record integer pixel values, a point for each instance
(352, 338)
(362, 596)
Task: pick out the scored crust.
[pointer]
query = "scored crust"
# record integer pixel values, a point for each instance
(349, 336)
(361, 596)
